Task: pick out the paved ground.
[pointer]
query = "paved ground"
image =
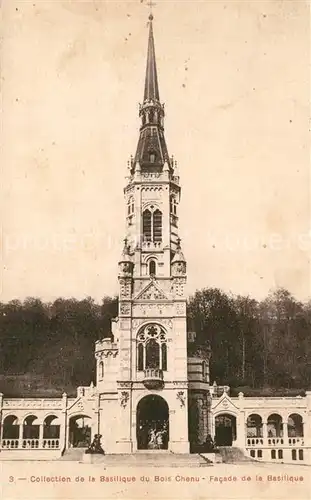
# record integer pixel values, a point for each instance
(69, 480)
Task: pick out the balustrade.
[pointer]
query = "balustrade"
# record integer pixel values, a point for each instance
(50, 443)
(254, 442)
(154, 373)
(30, 444)
(295, 441)
(275, 441)
(153, 378)
(258, 442)
(10, 444)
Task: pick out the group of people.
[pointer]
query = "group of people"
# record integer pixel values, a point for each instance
(156, 439)
(153, 435)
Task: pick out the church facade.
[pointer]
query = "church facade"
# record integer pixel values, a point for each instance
(146, 365)
(153, 387)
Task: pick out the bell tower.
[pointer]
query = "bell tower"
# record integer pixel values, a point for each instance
(150, 336)
(153, 191)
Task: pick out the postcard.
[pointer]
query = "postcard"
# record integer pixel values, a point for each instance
(155, 310)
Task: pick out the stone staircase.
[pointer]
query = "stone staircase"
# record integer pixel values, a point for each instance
(73, 455)
(139, 459)
(232, 455)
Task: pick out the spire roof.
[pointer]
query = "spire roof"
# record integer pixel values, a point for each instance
(151, 81)
(151, 152)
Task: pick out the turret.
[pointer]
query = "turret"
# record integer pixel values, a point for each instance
(125, 263)
(179, 265)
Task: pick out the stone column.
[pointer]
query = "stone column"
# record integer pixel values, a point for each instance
(41, 435)
(240, 431)
(63, 430)
(304, 427)
(179, 424)
(21, 431)
(264, 432)
(124, 424)
(240, 423)
(285, 430)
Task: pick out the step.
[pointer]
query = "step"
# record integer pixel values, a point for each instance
(154, 459)
(232, 454)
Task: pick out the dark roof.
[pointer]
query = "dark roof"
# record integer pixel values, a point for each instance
(151, 81)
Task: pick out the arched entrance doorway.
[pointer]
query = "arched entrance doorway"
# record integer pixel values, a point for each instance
(225, 429)
(79, 431)
(152, 427)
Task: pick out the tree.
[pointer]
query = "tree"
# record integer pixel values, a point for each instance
(211, 313)
(248, 325)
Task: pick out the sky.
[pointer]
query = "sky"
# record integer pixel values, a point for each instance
(235, 82)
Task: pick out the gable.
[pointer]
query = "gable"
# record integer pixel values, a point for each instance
(225, 404)
(151, 292)
(83, 405)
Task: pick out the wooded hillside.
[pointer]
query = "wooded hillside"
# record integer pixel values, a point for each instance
(48, 348)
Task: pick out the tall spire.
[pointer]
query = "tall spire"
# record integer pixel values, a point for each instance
(151, 81)
(151, 152)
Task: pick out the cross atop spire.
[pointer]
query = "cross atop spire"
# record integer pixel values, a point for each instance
(151, 81)
(150, 5)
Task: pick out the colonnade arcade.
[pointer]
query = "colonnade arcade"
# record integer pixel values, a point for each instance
(276, 437)
(30, 432)
(275, 426)
(47, 432)
(258, 430)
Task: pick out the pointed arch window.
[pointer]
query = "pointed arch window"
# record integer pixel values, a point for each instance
(164, 357)
(152, 268)
(151, 348)
(147, 225)
(152, 225)
(157, 226)
(140, 357)
(152, 354)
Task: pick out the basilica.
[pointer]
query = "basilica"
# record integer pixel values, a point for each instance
(153, 389)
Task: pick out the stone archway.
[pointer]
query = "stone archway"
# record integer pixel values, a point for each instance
(152, 425)
(225, 429)
(80, 431)
(295, 425)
